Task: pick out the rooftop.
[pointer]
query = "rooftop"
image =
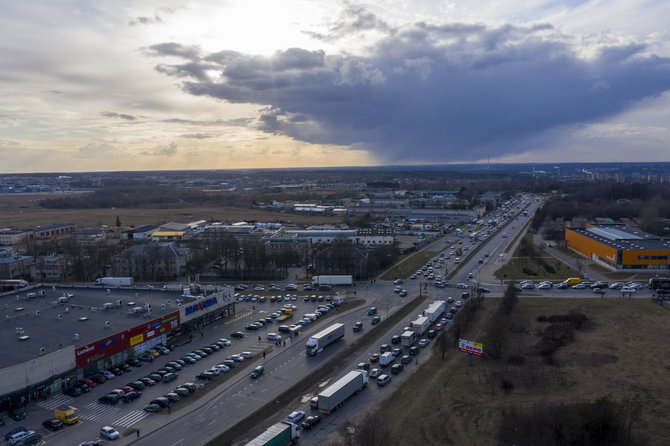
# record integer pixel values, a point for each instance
(624, 237)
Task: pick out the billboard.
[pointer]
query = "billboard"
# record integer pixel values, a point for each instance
(473, 348)
(204, 306)
(118, 342)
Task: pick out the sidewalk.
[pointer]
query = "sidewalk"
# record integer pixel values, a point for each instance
(586, 269)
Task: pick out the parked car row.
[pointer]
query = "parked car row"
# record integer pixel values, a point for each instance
(184, 390)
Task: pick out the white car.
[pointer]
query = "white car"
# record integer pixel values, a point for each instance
(461, 286)
(274, 337)
(246, 355)
(544, 286)
(616, 286)
(107, 374)
(225, 342)
(296, 416)
(216, 371)
(527, 286)
(236, 358)
(109, 433)
(579, 286)
(635, 285)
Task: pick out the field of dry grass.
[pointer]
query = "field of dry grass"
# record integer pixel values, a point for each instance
(22, 210)
(623, 352)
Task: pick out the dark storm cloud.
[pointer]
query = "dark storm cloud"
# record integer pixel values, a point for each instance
(109, 114)
(174, 49)
(433, 93)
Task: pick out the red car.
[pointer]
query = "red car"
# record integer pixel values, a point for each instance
(88, 382)
(374, 357)
(127, 389)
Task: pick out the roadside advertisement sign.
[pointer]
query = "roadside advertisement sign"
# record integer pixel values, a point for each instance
(473, 348)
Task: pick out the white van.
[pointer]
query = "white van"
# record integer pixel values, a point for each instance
(19, 436)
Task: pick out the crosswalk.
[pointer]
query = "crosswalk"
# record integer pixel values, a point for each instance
(130, 418)
(238, 317)
(96, 412)
(55, 401)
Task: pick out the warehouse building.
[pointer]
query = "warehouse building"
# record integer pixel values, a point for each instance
(620, 247)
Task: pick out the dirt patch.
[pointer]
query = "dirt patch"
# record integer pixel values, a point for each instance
(591, 359)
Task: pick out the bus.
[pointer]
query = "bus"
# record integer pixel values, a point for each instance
(12, 285)
(658, 283)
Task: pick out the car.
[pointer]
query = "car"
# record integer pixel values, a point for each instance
(375, 320)
(109, 433)
(395, 339)
(98, 379)
(110, 398)
(207, 350)
(152, 408)
(222, 367)
(383, 380)
(181, 391)
(88, 382)
(134, 362)
(295, 416)
(405, 359)
(529, 286)
(72, 391)
(372, 311)
(432, 333)
(291, 287)
(229, 363)
(137, 385)
(311, 421)
(161, 401)
(153, 352)
(156, 377)
(600, 284)
(205, 376)
(363, 366)
(274, 337)
(130, 396)
(109, 375)
(562, 286)
(20, 436)
(174, 364)
(403, 293)
(236, 358)
(384, 348)
(599, 291)
(461, 286)
(225, 342)
(145, 357)
(16, 430)
(396, 369)
(127, 389)
(147, 381)
(440, 325)
(83, 388)
(544, 286)
(52, 424)
(374, 357)
(172, 396)
(246, 355)
(634, 285)
(579, 286)
(258, 371)
(616, 286)
(237, 334)
(201, 353)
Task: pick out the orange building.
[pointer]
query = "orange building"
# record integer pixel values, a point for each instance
(620, 247)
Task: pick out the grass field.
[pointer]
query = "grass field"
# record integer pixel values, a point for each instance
(514, 270)
(448, 402)
(22, 210)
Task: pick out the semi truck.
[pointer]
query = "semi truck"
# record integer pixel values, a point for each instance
(334, 395)
(435, 310)
(420, 325)
(114, 281)
(320, 340)
(408, 338)
(332, 280)
(280, 434)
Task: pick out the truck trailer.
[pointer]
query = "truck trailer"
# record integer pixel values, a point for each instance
(114, 281)
(334, 395)
(320, 340)
(280, 434)
(332, 280)
(435, 310)
(420, 325)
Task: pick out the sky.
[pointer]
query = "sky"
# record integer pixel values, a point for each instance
(89, 85)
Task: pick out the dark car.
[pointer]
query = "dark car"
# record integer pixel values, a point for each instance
(152, 408)
(396, 352)
(174, 365)
(83, 388)
(414, 351)
(134, 362)
(385, 348)
(98, 379)
(137, 385)
(375, 320)
(205, 376)
(207, 350)
(130, 396)
(310, 422)
(229, 363)
(188, 360)
(258, 371)
(17, 414)
(395, 339)
(125, 367)
(396, 368)
(406, 359)
(156, 377)
(88, 382)
(146, 357)
(432, 333)
(52, 424)
(161, 401)
(117, 371)
(111, 398)
(372, 311)
(237, 334)
(147, 381)
(72, 391)
(358, 326)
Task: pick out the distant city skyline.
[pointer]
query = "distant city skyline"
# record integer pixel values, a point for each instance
(150, 85)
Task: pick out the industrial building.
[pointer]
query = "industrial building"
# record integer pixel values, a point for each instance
(620, 248)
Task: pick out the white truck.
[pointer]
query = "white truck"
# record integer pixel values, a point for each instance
(332, 280)
(420, 325)
(280, 434)
(320, 340)
(334, 395)
(408, 338)
(435, 310)
(114, 281)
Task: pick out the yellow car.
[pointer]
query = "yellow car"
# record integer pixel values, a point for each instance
(153, 353)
